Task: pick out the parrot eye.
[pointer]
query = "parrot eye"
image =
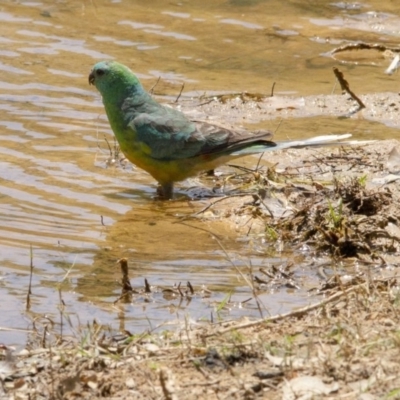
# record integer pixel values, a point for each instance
(100, 72)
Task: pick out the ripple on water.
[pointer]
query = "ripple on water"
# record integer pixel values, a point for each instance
(176, 14)
(14, 70)
(8, 53)
(170, 76)
(28, 87)
(241, 23)
(7, 17)
(121, 42)
(157, 30)
(383, 23)
(60, 43)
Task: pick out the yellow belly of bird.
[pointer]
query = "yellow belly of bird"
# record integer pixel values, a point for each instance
(166, 171)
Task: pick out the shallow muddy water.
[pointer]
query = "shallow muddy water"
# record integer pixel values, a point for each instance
(64, 211)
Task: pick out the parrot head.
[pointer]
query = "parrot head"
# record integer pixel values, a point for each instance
(109, 75)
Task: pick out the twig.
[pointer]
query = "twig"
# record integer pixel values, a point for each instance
(126, 285)
(206, 102)
(167, 384)
(295, 313)
(152, 88)
(7, 329)
(28, 296)
(365, 46)
(346, 87)
(147, 287)
(249, 282)
(223, 198)
(180, 93)
(272, 89)
(108, 144)
(189, 285)
(61, 308)
(393, 65)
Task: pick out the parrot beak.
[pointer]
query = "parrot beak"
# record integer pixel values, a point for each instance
(91, 78)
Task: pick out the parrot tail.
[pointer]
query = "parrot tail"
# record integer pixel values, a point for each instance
(317, 141)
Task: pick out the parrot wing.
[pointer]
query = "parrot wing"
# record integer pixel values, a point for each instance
(170, 135)
(166, 136)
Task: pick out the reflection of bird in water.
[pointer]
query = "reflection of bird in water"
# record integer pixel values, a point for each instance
(163, 141)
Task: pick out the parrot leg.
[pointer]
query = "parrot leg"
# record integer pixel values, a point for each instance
(166, 190)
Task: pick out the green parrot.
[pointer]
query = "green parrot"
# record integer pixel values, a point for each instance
(163, 141)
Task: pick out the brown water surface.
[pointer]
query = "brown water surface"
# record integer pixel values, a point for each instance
(56, 194)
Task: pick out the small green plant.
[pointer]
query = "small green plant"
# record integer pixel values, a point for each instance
(153, 365)
(393, 394)
(362, 180)
(289, 341)
(237, 337)
(223, 303)
(271, 233)
(196, 364)
(336, 214)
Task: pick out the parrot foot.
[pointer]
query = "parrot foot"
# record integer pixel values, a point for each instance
(165, 191)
